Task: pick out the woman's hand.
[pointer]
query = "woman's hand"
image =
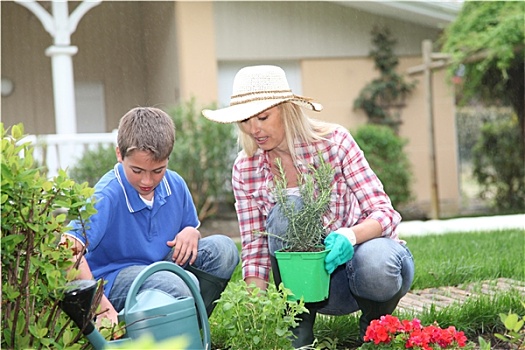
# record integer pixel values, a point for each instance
(258, 282)
(185, 246)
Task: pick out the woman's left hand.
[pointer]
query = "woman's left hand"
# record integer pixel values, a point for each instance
(185, 246)
(341, 251)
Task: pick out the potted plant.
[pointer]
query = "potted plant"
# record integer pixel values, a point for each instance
(301, 261)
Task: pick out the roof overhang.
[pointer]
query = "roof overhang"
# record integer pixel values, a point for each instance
(436, 14)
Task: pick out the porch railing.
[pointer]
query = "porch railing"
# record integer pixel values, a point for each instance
(63, 151)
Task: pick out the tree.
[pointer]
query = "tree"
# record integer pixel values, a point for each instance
(487, 39)
(383, 98)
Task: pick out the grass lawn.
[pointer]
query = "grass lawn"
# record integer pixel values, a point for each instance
(444, 260)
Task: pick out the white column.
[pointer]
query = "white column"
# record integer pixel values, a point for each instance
(63, 88)
(60, 25)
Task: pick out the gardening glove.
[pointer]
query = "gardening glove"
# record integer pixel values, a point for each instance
(341, 245)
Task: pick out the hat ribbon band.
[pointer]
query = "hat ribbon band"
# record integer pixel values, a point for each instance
(260, 96)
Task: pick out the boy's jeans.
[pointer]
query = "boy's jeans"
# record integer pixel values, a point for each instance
(379, 269)
(217, 255)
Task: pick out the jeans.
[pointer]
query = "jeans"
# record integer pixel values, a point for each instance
(379, 269)
(216, 255)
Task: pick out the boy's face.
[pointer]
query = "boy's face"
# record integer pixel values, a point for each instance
(143, 173)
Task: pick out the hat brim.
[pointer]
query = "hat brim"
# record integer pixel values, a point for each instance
(240, 112)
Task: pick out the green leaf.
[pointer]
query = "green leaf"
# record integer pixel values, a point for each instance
(12, 239)
(510, 321)
(518, 326)
(17, 131)
(501, 337)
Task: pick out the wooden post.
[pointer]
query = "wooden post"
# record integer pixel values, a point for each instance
(427, 61)
(427, 67)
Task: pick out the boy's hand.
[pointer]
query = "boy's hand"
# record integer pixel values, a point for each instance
(185, 246)
(108, 316)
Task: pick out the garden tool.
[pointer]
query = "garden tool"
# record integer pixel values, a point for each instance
(373, 310)
(304, 331)
(150, 312)
(211, 287)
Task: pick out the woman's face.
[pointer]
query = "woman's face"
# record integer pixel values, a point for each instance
(267, 129)
(142, 172)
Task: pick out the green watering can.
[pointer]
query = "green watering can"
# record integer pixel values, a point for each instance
(152, 312)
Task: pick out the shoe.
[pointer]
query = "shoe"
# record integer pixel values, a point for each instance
(211, 287)
(373, 310)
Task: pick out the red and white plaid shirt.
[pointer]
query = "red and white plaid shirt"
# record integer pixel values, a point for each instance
(358, 195)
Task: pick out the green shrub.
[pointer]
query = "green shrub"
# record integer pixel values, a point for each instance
(203, 155)
(383, 98)
(34, 268)
(384, 151)
(93, 164)
(248, 318)
(499, 164)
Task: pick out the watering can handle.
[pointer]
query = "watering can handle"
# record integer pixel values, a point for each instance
(131, 299)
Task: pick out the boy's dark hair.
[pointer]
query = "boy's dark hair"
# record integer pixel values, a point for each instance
(146, 129)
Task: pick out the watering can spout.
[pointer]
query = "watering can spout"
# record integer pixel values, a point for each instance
(76, 303)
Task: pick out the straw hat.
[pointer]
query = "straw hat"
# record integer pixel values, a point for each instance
(256, 89)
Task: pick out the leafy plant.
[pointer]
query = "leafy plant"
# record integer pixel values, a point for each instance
(487, 39)
(203, 155)
(147, 342)
(305, 231)
(249, 318)
(385, 154)
(383, 98)
(93, 164)
(502, 177)
(34, 268)
(515, 334)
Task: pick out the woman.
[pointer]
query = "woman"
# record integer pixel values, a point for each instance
(371, 269)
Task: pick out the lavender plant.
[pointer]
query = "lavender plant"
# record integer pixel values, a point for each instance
(306, 229)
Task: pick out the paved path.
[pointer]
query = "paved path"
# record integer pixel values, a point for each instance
(484, 223)
(406, 228)
(418, 300)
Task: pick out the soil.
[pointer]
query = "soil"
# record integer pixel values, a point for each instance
(225, 223)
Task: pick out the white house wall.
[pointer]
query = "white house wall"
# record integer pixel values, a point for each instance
(301, 30)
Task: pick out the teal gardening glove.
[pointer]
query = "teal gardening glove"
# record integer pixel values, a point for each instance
(341, 245)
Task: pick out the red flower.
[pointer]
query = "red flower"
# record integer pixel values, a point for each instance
(389, 332)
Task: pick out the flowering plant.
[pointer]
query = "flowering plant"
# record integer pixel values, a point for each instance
(389, 332)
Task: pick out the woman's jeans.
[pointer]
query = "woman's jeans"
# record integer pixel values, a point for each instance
(379, 270)
(217, 255)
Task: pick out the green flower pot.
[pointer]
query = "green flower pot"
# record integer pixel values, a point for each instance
(304, 274)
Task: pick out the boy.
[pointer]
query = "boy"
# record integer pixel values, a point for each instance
(146, 214)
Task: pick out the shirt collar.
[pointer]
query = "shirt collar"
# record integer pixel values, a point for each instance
(133, 200)
(263, 162)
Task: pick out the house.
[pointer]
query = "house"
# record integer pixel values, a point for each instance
(164, 52)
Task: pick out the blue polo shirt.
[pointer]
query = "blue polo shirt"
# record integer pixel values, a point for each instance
(127, 232)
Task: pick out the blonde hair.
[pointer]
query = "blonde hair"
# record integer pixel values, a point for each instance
(297, 127)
